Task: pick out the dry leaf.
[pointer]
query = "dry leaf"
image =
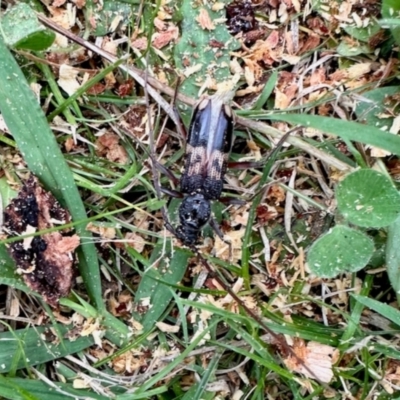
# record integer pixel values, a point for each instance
(69, 144)
(79, 3)
(318, 76)
(110, 46)
(108, 146)
(218, 6)
(62, 17)
(105, 232)
(192, 70)
(358, 70)
(317, 360)
(80, 384)
(204, 20)
(311, 43)
(161, 39)
(135, 241)
(281, 100)
(140, 44)
(67, 79)
(291, 59)
(58, 3)
(222, 249)
(163, 327)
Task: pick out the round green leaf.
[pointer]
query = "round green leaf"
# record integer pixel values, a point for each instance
(194, 46)
(342, 249)
(22, 30)
(368, 198)
(37, 41)
(346, 49)
(363, 34)
(372, 108)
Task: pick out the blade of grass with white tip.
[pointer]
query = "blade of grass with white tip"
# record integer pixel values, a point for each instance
(345, 129)
(382, 309)
(267, 91)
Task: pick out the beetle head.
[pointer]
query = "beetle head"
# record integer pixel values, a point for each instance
(194, 213)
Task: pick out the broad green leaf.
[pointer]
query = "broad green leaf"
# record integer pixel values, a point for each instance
(342, 249)
(368, 198)
(110, 12)
(393, 256)
(156, 287)
(29, 347)
(377, 109)
(22, 30)
(383, 309)
(346, 129)
(195, 52)
(30, 389)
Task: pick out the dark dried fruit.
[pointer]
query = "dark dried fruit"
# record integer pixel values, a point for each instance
(240, 17)
(46, 262)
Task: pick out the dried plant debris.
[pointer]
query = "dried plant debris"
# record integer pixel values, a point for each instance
(46, 262)
(317, 359)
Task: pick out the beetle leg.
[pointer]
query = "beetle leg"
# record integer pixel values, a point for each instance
(214, 225)
(245, 164)
(172, 193)
(232, 201)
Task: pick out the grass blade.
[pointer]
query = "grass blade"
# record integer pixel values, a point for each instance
(21, 348)
(30, 389)
(345, 129)
(383, 309)
(393, 256)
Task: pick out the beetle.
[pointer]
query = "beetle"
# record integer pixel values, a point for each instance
(208, 147)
